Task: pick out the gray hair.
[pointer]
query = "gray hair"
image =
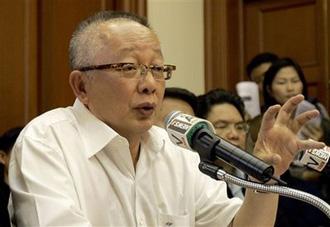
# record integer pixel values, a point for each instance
(84, 37)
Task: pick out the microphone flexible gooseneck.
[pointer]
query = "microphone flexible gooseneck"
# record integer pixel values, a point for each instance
(219, 174)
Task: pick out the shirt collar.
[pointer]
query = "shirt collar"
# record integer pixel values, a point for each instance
(154, 139)
(94, 132)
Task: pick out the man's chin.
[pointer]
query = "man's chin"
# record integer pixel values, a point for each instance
(146, 124)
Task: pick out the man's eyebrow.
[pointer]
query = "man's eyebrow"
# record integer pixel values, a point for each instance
(159, 51)
(227, 122)
(130, 49)
(220, 121)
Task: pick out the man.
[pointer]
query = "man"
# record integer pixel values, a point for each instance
(227, 114)
(176, 99)
(257, 67)
(102, 163)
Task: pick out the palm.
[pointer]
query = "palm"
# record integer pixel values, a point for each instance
(277, 142)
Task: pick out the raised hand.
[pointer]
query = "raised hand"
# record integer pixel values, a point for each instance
(277, 141)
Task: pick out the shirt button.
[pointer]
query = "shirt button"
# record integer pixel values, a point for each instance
(140, 221)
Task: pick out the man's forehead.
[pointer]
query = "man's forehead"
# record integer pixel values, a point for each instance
(127, 30)
(225, 111)
(128, 36)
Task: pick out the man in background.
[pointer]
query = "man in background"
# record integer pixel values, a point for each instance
(176, 99)
(257, 67)
(226, 112)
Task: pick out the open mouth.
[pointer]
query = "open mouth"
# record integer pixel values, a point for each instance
(146, 109)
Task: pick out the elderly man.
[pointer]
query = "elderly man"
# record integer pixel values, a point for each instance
(101, 162)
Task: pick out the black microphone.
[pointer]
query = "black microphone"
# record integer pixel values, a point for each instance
(198, 134)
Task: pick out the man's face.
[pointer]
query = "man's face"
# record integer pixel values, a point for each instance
(172, 104)
(228, 123)
(128, 105)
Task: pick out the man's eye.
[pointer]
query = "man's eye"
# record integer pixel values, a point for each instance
(128, 67)
(221, 126)
(243, 127)
(157, 68)
(240, 127)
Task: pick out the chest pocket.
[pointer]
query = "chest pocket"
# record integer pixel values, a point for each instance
(166, 220)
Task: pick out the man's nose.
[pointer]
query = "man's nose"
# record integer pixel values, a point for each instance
(147, 83)
(232, 132)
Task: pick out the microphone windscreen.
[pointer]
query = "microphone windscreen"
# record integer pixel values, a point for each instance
(170, 117)
(316, 158)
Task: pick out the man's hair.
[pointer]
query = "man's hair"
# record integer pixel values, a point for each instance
(271, 74)
(8, 139)
(259, 59)
(182, 94)
(219, 96)
(86, 32)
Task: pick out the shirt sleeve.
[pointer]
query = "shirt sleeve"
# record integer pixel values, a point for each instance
(38, 199)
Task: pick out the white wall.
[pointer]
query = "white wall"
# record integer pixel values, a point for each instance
(179, 25)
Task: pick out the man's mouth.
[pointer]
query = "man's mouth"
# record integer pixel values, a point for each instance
(146, 109)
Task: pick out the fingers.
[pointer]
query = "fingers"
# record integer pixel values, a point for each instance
(306, 116)
(311, 131)
(286, 112)
(269, 117)
(288, 108)
(309, 144)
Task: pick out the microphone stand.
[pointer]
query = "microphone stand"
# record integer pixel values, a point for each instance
(217, 173)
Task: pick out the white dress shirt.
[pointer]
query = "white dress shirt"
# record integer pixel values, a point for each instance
(70, 169)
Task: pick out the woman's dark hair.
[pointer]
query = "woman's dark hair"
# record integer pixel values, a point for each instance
(271, 74)
(219, 96)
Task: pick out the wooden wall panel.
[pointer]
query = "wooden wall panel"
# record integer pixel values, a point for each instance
(18, 63)
(292, 28)
(223, 39)
(34, 66)
(236, 30)
(58, 19)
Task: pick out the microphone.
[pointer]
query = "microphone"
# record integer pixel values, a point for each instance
(316, 159)
(198, 134)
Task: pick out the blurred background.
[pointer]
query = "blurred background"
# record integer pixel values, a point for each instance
(210, 41)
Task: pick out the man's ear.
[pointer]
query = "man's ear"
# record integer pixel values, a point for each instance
(3, 157)
(78, 85)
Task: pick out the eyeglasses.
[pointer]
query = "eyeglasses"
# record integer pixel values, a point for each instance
(131, 70)
(223, 126)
